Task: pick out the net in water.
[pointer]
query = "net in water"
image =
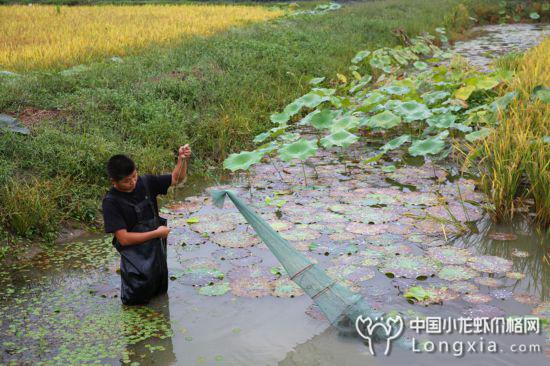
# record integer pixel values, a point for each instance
(338, 303)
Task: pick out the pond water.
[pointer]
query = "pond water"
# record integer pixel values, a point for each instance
(229, 302)
(492, 41)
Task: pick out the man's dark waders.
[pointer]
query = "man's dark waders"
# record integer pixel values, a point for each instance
(143, 267)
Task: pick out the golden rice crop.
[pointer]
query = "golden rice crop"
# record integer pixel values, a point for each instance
(42, 37)
(516, 154)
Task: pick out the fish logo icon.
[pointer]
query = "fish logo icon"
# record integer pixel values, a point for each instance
(371, 330)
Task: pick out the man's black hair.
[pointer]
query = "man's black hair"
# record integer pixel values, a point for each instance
(120, 166)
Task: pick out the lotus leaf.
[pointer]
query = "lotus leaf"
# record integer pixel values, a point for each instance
(396, 89)
(413, 111)
(479, 134)
(216, 289)
(341, 138)
(432, 145)
(409, 266)
(345, 123)
(323, 119)
(420, 65)
(434, 97)
(490, 264)
(242, 160)
(396, 142)
(456, 273)
(360, 56)
(280, 118)
(384, 120)
(311, 100)
(442, 120)
(301, 150)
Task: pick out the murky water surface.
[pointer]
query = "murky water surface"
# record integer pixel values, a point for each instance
(497, 40)
(229, 302)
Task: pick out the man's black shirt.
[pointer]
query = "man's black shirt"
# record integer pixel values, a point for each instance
(118, 215)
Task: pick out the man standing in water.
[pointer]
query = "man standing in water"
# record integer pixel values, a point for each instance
(130, 212)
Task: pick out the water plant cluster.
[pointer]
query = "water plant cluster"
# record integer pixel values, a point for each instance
(413, 96)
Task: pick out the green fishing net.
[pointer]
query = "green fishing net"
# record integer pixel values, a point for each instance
(339, 304)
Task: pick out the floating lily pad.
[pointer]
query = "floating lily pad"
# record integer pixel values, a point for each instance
(456, 273)
(280, 225)
(344, 236)
(216, 289)
(370, 215)
(449, 254)
(490, 264)
(366, 229)
(231, 253)
(463, 287)
(246, 261)
(427, 295)
(489, 282)
(477, 298)
(385, 240)
(199, 272)
(250, 271)
(235, 239)
(330, 217)
(409, 266)
(297, 234)
(374, 199)
(252, 286)
(212, 224)
(285, 287)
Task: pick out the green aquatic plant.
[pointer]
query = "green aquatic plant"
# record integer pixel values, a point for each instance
(242, 160)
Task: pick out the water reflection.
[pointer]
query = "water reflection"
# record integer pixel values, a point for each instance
(156, 350)
(530, 240)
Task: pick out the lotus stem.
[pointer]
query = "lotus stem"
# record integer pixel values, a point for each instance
(304, 171)
(277, 170)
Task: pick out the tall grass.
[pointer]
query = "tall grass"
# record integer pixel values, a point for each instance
(515, 162)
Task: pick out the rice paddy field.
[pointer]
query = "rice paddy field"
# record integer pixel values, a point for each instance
(47, 36)
(395, 149)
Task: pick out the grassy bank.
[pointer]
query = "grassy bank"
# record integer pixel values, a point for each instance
(214, 92)
(515, 163)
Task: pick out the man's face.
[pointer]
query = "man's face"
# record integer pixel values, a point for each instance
(126, 184)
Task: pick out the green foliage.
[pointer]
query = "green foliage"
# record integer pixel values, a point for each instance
(216, 92)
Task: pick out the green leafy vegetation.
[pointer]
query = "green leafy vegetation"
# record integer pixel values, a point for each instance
(216, 92)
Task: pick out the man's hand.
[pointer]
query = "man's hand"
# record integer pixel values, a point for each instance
(162, 231)
(184, 152)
